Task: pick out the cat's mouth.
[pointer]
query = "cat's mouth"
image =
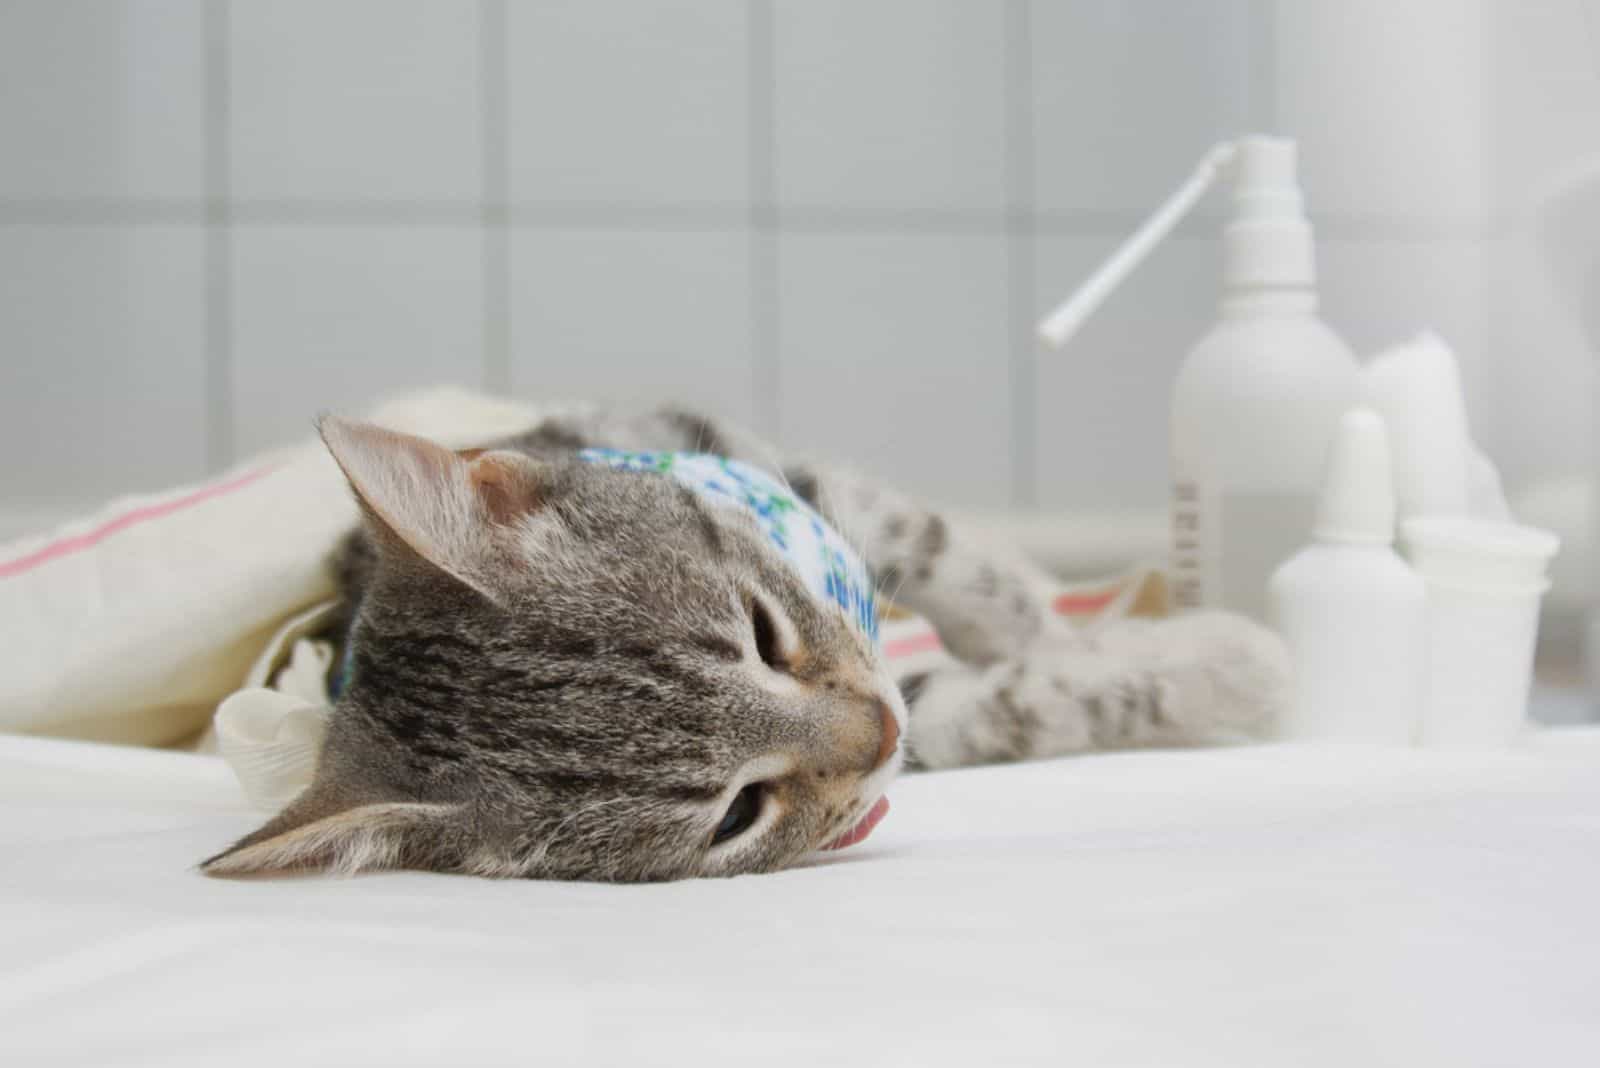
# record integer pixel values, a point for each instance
(863, 827)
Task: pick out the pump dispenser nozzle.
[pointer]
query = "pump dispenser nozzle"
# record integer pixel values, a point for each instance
(1066, 319)
(1268, 243)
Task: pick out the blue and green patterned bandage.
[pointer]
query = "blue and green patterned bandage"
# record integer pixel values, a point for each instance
(828, 565)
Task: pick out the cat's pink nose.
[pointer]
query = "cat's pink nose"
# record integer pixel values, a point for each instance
(891, 735)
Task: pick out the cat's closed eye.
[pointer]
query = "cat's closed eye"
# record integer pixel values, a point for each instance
(741, 815)
(769, 642)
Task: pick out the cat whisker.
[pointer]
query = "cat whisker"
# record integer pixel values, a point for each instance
(771, 461)
(900, 582)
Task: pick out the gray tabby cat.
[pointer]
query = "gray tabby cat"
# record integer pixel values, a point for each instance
(562, 670)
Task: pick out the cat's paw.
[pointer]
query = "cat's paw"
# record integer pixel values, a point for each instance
(1221, 676)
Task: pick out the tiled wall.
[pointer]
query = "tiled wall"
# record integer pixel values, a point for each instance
(834, 219)
(1543, 115)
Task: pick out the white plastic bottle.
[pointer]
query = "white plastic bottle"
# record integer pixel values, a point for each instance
(1255, 404)
(1350, 609)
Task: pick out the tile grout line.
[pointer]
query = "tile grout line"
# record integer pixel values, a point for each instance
(217, 259)
(1489, 319)
(1264, 66)
(766, 379)
(687, 218)
(496, 179)
(1019, 236)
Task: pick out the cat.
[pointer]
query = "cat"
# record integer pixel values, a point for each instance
(563, 668)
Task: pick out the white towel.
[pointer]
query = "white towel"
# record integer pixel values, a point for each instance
(129, 626)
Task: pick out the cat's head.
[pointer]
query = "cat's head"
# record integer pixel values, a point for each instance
(563, 670)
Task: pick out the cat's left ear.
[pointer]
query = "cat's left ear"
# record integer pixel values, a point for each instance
(455, 510)
(321, 831)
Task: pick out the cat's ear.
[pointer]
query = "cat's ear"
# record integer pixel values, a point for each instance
(321, 832)
(452, 509)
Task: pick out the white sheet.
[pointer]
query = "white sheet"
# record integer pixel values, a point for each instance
(1272, 906)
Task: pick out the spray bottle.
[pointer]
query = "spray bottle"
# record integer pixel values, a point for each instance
(1257, 402)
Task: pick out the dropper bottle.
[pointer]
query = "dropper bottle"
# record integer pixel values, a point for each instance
(1351, 611)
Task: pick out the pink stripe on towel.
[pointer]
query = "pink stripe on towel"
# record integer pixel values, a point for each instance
(80, 542)
(917, 643)
(1083, 604)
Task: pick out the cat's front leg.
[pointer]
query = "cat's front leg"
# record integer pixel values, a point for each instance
(986, 601)
(1195, 679)
(1023, 682)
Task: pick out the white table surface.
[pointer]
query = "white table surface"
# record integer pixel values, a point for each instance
(1280, 905)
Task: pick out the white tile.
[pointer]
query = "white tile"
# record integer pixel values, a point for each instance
(1541, 129)
(101, 100)
(1128, 96)
(1101, 418)
(102, 387)
(1541, 371)
(1378, 292)
(631, 103)
(893, 104)
(1543, 116)
(1387, 101)
(335, 317)
(354, 100)
(20, 520)
(894, 357)
(632, 319)
(1543, 109)
(1546, 38)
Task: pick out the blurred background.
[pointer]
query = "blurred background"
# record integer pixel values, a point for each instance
(835, 220)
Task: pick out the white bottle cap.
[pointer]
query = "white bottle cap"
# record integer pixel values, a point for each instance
(1357, 503)
(1268, 241)
(1264, 176)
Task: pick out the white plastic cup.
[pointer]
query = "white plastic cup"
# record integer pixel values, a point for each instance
(1480, 648)
(1484, 583)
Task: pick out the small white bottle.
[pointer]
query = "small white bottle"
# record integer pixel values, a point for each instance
(1255, 404)
(1350, 609)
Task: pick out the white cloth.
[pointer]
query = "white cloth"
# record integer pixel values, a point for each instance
(271, 730)
(1282, 905)
(131, 625)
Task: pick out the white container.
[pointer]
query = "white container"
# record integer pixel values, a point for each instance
(1349, 609)
(1417, 388)
(1484, 583)
(1255, 404)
